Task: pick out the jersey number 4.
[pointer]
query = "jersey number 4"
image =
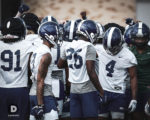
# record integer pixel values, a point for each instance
(7, 56)
(110, 68)
(78, 62)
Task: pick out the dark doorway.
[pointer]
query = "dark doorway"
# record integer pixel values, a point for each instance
(9, 8)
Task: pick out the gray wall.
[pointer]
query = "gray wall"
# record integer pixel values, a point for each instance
(143, 11)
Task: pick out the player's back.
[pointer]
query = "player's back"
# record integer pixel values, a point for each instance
(14, 62)
(76, 58)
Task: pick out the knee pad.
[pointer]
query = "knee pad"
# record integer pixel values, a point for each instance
(60, 106)
(104, 115)
(52, 115)
(117, 115)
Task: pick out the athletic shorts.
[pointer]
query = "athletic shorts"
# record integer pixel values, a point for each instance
(49, 103)
(116, 102)
(84, 105)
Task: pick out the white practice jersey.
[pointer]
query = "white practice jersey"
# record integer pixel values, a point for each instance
(34, 39)
(63, 46)
(113, 72)
(57, 74)
(56, 53)
(55, 69)
(75, 53)
(35, 62)
(14, 63)
(98, 48)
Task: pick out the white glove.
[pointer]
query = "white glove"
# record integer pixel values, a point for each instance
(132, 105)
(147, 109)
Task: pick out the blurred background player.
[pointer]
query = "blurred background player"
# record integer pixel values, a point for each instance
(115, 63)
(140, 36)
(15, 51)
(127, 33)
(49, 18)
(32, 22)
(98, 44)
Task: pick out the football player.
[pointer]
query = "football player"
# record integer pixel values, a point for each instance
(15, 51)
(42, 101)
(58, 75)
(49, 18)
(58, 81)
(116, 63)
(109, 25)
(80, 56)
(140, 36)
(68, 35)
(32, 24)
(98, 43)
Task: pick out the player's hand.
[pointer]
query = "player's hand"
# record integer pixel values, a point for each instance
(23, 8)
(147, 109)
(38, 111)
(104, 98)
(132, 105)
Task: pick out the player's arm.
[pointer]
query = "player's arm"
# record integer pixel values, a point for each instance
(90, 65)
(133, 80)
(93, 76)
(62, 63)
(42, 72)
(29, 72)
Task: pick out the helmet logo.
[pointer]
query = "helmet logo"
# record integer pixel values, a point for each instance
(8, 24)
(92, 35)
(49, 37)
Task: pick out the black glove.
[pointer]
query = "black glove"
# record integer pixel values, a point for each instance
(38, 111)
(147, 109)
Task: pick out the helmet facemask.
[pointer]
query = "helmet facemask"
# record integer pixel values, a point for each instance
(112, 41)
(52, 40)
(141, 42)
(115, 49)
